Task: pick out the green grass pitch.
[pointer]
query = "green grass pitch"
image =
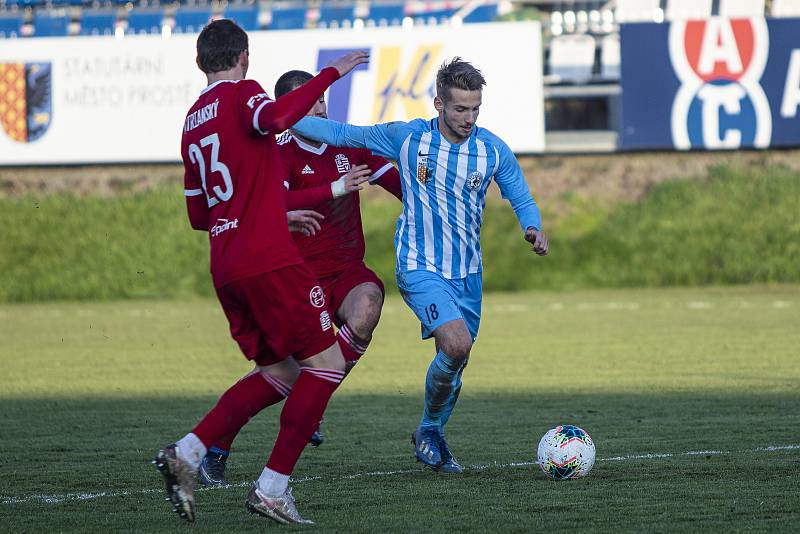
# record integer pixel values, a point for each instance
(691, 395)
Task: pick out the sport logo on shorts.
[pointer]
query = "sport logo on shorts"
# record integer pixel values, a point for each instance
(317, 297)
(324, 321)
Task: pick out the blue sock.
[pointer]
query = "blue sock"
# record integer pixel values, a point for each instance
(439, 386)
(451, 401)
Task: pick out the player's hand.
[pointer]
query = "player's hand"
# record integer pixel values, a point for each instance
(539, 241)
(305, 222)
(348, 62)
(351, 181)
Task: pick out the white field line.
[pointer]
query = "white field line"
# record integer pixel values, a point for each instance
(68, 497)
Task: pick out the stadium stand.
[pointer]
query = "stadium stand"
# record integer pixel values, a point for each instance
(143, 21)
(638, 11)
(245, 15)
(51, 23)
(688, 9)
(11, 24)
(572, 58)
(610, 57)
(336, 15)
(386, 14)
(290, 18)
(190, 19)
(98, 22)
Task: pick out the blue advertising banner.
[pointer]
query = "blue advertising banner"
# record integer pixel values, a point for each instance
(711, 84)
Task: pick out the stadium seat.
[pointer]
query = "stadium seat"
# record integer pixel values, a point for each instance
(191, 20)
(11, 24)
(386, 14)
(741, 8)
(245, 15)
(482, 13)
(25, 3)
(785, 8)
(610, 57)
(293, 18)
(335, 13)
(636, 11)
(50, 23)
(98, 22)
(688, 9)
(145, 21)
(572, 58)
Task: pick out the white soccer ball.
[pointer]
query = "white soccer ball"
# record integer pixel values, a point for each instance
(566, 451)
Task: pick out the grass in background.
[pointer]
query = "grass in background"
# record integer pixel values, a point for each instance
(90, 390)
(732, 227)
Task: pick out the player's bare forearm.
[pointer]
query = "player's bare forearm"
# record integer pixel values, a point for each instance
(538, 240)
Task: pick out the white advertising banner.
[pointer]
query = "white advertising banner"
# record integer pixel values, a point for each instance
(105, 99)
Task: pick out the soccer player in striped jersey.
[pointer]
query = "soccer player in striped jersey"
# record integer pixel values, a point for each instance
(446, 165)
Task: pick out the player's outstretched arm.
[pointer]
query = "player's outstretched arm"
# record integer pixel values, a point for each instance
(276, 116)
(382, 139)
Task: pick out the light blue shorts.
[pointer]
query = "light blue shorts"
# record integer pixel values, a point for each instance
(437, 300)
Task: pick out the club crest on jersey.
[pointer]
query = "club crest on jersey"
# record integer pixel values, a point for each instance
(474, 180)
(317, 297)
(425, 167)
(342, 163)
(25, 100)
(720, 103)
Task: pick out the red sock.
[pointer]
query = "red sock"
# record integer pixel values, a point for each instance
(301, 415)
(352, 346)
(236, 406)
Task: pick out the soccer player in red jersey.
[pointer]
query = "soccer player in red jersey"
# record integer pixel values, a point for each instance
(274, 304)
(327, 179)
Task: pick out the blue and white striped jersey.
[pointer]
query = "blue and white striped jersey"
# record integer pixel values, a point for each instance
(444, 188)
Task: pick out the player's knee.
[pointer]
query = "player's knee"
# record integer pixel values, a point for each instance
(369, 307)
(456, 347)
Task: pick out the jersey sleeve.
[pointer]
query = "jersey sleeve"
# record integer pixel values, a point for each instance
(308, 198)
(382, 139)
(262, 115)
(384, 173)
(196, 203)
(514, 188)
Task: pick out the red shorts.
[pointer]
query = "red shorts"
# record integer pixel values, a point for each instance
(338, 285)
(278, 314)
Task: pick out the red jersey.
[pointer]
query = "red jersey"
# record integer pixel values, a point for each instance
(233, 176)
(309, 173)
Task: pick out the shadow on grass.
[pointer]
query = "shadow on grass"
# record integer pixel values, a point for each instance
(63, 447)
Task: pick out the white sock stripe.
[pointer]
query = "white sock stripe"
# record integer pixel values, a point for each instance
(348, 336)
(326, 372)
(331, 375)
(279, 385)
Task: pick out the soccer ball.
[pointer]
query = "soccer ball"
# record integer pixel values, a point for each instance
(566, 451)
